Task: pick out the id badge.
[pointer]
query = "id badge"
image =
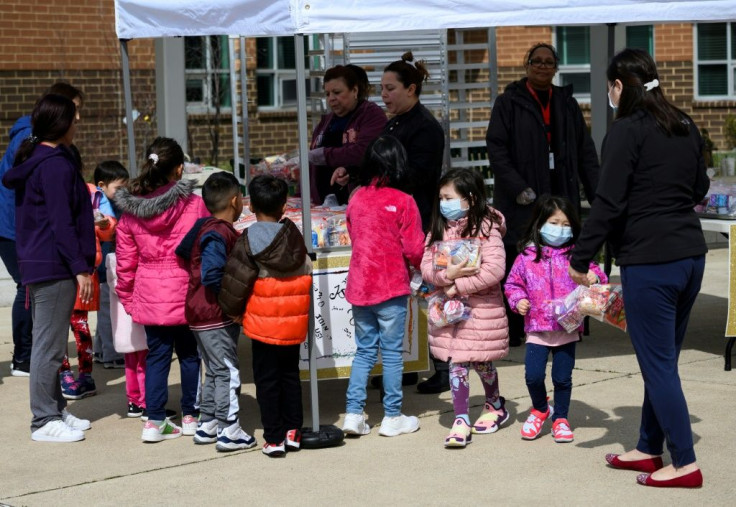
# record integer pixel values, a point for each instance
(551, 160)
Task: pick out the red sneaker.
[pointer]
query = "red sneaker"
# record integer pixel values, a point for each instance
(293, 440)
(533, 425)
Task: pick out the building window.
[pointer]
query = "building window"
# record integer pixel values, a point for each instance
(276, 71)
(715, 60)
(640, 37)
(207, 73)
(573, 47)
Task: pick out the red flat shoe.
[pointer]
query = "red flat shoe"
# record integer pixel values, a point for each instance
(647, 465)
(692, 480)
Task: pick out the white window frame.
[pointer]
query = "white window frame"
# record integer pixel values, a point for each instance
(280, 76)
(205, 75)
(582, 98)
(730, 64)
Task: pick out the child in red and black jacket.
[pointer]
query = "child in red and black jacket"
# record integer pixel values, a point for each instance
(268, 281)
(206, 247)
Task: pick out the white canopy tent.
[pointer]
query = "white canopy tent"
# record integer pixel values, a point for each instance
(168, 18)
(253, 18)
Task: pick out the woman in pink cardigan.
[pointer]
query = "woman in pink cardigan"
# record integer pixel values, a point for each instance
(342, 136)
(462, 212)
(386, 232)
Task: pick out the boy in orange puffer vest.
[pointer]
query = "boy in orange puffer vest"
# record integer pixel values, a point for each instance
(268, 281)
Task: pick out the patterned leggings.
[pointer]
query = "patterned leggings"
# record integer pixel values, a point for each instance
(80, 328)
(460, 384)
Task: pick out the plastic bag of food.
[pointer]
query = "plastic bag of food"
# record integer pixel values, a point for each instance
(456, 251)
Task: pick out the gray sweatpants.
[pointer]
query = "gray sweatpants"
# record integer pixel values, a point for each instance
(103, 335)
(219, 351)
(52, 305)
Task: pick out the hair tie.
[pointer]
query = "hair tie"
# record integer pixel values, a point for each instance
(33, 139)
(410, 63)
(153, 158)
(651, 84)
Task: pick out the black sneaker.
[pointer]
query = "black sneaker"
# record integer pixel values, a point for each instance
(170, 414)
(20, 369)
(117, 364)
(134, 410)
(437, 383)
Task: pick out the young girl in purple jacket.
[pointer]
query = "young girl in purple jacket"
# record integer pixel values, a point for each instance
(461, 211)
(538, 276)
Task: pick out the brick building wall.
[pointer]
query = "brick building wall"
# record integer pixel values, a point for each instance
(74, 40)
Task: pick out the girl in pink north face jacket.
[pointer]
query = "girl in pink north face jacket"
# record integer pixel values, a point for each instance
(462, 212)
(539, 275)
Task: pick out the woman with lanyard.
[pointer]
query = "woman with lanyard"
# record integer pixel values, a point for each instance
(538, 143)
(340, 139)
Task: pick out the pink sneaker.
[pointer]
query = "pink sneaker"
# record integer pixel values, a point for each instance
(533, 424)
(561, 431)
(490, 419)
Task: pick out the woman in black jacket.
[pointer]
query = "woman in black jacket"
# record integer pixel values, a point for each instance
(538, 143)
(653, 174)
(424, 141)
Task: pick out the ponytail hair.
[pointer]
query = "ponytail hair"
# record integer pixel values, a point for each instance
(409, 72)
(163, 158)
(641, 90)
(52, 117)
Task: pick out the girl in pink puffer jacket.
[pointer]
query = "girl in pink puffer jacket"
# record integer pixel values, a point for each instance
(158, 210)
(462, 212)
(538, 276)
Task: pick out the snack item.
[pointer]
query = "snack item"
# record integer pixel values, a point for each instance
(443, 311)
(456, 251)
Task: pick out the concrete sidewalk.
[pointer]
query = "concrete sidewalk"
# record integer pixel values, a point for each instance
(113, 467)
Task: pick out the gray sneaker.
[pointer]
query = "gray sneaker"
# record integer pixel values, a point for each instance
(394, 426)
(355, 425)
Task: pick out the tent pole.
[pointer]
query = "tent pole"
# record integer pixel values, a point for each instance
(128, 97)
(301, 94)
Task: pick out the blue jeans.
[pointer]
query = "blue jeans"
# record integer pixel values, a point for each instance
(563, 361)
(21, 317)
(378, 326)
(658, 299)
(162, 340)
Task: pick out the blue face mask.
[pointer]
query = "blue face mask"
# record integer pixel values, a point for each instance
(452, 209)
(555, 235)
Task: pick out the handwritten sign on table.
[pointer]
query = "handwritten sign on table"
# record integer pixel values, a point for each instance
(334, 332)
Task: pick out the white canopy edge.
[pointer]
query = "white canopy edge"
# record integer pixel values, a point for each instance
(253, 18)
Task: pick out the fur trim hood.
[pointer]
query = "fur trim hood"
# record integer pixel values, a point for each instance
(155, 203)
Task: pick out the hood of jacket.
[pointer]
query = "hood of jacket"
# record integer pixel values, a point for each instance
(518, 89)
(286, 250)
(456, 227)
(16, 177)
(20, 127)
(158, 209)
(548, 252)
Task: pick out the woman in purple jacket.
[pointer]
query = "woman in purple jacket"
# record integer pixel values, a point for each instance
(342, 136)
(55, 239)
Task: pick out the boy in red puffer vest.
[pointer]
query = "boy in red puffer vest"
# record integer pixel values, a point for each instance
(207, 246)
(268, 281)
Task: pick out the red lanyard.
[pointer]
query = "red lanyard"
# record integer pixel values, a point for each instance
(545, 111)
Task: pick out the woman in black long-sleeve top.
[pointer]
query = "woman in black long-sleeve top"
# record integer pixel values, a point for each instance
(652, 175)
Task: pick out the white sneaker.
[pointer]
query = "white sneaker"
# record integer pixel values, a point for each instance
(393, 426)
(189, 425)
(355, 425)
(206, 432)
(75, 422)
(233, 438)
(156, 432)
(57, 431)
